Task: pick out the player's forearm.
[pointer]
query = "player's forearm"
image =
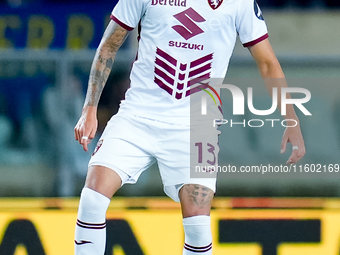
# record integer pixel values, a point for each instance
(113, 38)
(271, 72)
(273, 77)
(100, 71)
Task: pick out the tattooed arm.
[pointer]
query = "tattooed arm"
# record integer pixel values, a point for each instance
(113, 38)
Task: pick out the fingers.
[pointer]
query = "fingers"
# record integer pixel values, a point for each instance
(293, 136)
(85, 140)
(294, 157)
(77, 131)
(84, 133)
(284, 143)
(297, 153)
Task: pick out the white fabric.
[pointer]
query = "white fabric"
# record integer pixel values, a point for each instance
(90, 233)
(130, 144)
(159, 33)
(248, 23)
(198, 237)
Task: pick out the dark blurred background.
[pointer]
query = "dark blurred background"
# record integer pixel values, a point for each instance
(46, 50)
(262, 3)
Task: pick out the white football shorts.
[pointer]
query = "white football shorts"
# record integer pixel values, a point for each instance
(130, 144)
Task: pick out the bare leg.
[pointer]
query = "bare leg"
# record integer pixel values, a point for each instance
(103, 180)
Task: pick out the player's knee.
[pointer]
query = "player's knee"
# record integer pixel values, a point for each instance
(196, 225)
(104, 180)
(194, 211)
(92, 203)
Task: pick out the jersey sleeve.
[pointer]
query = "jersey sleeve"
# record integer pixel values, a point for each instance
(250, 23)
(127, 13)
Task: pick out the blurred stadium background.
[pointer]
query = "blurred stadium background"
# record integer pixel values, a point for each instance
(46, 50)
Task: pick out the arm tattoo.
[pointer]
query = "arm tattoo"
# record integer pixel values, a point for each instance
(113, 38)
(198, 194)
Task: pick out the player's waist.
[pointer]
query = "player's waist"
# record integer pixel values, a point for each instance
(164, 113)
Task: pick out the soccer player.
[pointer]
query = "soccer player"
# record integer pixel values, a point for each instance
(182, 43)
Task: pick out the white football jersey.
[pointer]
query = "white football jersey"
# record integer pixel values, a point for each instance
(182, 43)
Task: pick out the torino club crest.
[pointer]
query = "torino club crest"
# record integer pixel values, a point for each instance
(214, 4)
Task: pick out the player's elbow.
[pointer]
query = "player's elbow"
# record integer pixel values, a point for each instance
(270, 68)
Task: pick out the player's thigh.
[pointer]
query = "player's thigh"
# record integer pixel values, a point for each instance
(120, 157)
(196, 196)
(195, 200)
(103, 180)
(178, 157)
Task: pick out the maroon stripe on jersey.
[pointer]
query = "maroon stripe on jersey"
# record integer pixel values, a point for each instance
(164, 76)
(181, 76)
(178, 95)
(166, 56)
(220, 108)
(183, 67)
(201, 60)
(163, 86)
(252, 43)
(195, 90)
(121, 23)
(165, 66)
(200, 70)
(198, 79)
(180, 86)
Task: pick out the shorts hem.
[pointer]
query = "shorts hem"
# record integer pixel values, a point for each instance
(174, 193)
(125, 178)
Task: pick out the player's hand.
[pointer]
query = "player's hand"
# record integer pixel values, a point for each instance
(293, 135)
(86, 128)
